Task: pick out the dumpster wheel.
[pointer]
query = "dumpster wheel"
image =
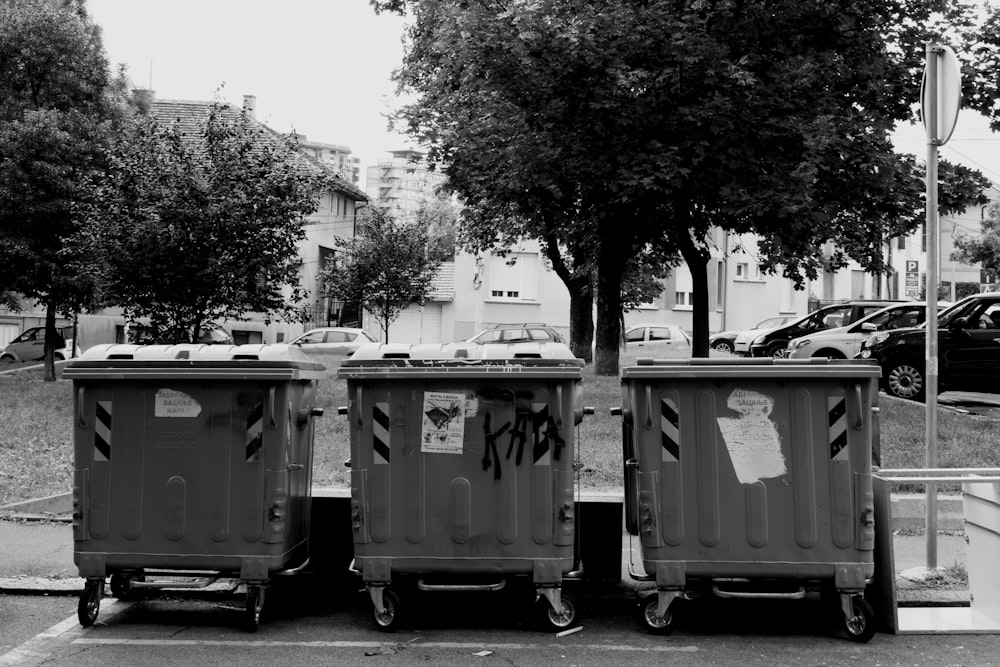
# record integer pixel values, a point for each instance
(560, 621)
(654, 623)
(90, 602)
(387, 620)
(860, 625)
(254, 606)
(121, 585)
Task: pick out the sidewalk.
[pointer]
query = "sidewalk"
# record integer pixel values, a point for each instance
(36, 551)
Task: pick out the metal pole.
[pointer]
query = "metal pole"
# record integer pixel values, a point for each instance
(931, 348)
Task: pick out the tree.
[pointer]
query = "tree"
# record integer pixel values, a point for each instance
(385, 268)
(984, 249)
(186, 229)
(658, 121)
(57, 104)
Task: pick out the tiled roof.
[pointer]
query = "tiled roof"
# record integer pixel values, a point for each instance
(189, 117)
(443, 284)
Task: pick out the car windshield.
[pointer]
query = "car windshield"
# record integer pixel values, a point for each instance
(956, 310)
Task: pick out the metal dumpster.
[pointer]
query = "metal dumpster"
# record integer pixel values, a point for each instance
(462, 470)
(751, 479)
(192, 462)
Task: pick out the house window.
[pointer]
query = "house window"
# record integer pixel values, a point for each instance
(514, 277)
(747, 271)
(683, 288)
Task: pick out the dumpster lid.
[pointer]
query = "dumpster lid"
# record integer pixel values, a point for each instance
(463, 358)
(193, 361)
(752, 368)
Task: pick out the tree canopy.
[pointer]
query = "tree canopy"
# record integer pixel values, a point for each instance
(625, 124)
(985, 248)
(188, 228)
(385, 268)
(57, 104)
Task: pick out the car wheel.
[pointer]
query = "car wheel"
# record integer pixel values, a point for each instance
(6, 359)
(778, 351)
(905, 380)
(723, 346)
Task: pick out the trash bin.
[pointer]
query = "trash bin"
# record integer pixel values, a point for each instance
(462, 470)
(192, 462)
(752, 479)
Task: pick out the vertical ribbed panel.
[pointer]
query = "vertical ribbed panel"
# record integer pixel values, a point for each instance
(672, 455)
(803, 468)
(359, 516)
(649, 532)
(220, 463)
(415, 494)
(380, 469)
(865, 538)
(460, 510)
(756, 513)
(841, 504)
(132, 454)
(250, 488)
(542, 501)
(706, 447)
(506, 509)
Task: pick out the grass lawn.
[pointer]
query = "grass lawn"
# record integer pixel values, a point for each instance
(36, 448)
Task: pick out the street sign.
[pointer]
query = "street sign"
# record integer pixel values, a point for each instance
(947, 94)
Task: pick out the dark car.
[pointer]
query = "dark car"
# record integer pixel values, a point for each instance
(774, 342)
(526, 332)
(968, 351)
(725, 341)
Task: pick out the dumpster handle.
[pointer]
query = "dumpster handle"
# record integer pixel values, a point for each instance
(649, 407)
(79, 403)
(559, 406)
(858, 425)
(357, 408)
(270, 398)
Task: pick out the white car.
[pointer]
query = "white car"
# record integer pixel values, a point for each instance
(333, 340)
(845, 342)
(657, 338)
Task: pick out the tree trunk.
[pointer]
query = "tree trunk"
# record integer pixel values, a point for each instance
(610, 265)
(697, 262)
(581, 318)
(48, 363)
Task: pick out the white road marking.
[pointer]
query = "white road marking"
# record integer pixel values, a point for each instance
(242, 643)
(37, 650)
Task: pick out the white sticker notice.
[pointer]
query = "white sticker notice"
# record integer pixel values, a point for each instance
(171, 403)
(443, 423)
(752, 438)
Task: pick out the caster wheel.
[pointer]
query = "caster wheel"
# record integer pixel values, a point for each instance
(655, 624)
(254, 607)
(388, 620)
(121, 586)
(90, 602)
(560, 621)
(861, 626)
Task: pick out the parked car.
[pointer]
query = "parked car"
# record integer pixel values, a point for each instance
(209, 334)
(657, 338)
(968, 350)
(526, 332)
(725, 341)
(845, 342)
(333, 340)
(30, 346)
(774, 342)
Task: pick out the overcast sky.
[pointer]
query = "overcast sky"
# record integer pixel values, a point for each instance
(322, 67)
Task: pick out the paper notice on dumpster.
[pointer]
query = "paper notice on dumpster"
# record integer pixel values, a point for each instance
(443, 423)
(752, 438)
(171, 403)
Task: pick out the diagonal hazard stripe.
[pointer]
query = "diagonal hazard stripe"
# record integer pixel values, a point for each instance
(102, 431)
(255, 431)
(837, 418)
(380, 433)
(669, 426)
